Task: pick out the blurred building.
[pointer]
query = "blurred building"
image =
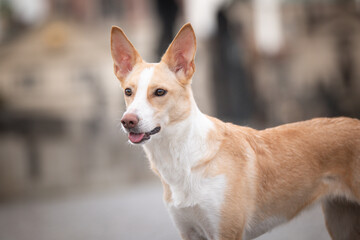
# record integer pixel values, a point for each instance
(60, 105)
(288, 61)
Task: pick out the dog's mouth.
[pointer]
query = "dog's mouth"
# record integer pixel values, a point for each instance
(141, 137)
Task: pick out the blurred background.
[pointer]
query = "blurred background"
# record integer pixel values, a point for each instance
(66, 169)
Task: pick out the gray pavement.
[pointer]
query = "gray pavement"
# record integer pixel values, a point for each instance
(135, 213)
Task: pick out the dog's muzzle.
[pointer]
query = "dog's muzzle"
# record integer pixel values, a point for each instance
(137, 138)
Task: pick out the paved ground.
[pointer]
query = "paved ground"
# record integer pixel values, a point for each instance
(133, 214)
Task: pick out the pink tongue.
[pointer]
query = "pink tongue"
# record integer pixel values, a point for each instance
(136, 137)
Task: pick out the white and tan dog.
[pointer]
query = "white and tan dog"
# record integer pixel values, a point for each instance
(223, 181)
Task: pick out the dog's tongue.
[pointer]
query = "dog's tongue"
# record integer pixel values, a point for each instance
(136, 137)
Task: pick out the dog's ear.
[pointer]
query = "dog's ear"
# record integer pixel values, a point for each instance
(123, 53)
(181, 53)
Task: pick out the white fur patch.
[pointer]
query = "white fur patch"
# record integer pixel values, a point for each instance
(196, 199)
(140, 106)
(201, 219)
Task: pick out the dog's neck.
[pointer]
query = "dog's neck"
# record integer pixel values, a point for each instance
(181, 146)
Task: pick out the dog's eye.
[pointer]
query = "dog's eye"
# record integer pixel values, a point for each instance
(160, 92)
(128, 92)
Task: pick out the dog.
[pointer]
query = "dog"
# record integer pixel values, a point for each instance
(223, 181)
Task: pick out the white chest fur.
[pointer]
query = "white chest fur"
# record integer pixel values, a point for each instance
(200, 219)
(196, 199)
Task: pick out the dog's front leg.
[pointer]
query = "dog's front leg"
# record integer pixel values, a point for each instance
(231, 235)
(232, 228)
(188, 229)
(192, 235)
(194, 224)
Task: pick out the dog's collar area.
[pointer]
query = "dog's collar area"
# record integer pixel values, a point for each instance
(141, 137)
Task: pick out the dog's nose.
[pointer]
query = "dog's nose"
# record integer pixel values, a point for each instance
(130, 120)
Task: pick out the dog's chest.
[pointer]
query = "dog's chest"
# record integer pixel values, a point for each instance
(188, 187)
(196, 207)
(194, 189)
(195, 199)
(196, 222)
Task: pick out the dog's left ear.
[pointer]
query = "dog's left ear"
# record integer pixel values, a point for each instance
(181, 53)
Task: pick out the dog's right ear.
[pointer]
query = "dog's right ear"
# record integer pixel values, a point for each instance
(123, 53)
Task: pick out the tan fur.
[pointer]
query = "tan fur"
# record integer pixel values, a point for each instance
(176, 101)
(132, 81)
(296, 164)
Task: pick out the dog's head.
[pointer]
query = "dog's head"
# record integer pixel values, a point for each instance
(156, 94)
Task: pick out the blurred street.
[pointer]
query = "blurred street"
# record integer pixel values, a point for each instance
(136, 213)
